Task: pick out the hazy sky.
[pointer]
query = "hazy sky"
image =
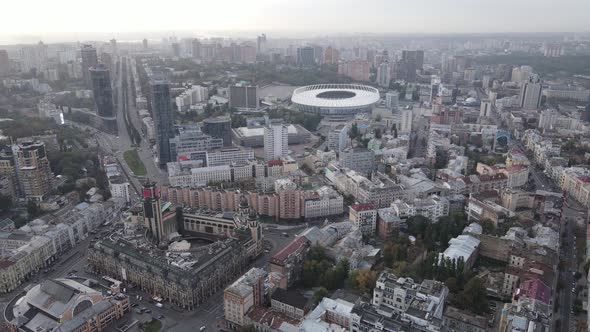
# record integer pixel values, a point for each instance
(45, 17)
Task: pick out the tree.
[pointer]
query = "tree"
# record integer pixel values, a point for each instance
(319, 295)
(378, 133)
(354, 131)
(5, 203)
(364, 280)
(473, 297)
(488, 227)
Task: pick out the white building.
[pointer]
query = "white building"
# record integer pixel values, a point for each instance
(485, 110)
(463, 247)
(530, 94)
(418, 303)
(276, 138)
(323, 202)
(406, 121)
(120, 188)
(392, 99)
(338, 138)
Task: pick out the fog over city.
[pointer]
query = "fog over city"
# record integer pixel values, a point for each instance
(62, 20)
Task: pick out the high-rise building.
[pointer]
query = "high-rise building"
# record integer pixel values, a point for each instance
(331, 56)
(261, 44)
(4, 63)
(152, 214)
(34, 175)
(358, 70)
(417, 57)
(219, 127)
(530, 94)
(338, 138)
(305, 56)
(243, 294)
(276, 138)
(8, 171)
(406, 121)
(392, 100)
(243, 96)
(485, 110)
(163, 119)
(103, 98)
(384, 74)
(145, 44)
(196, 45)
(114, 49)
(34, 57)
(89, 60)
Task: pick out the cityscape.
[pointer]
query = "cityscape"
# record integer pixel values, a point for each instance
(307, 180)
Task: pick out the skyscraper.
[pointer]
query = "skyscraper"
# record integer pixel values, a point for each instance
(163, 119)
(384, 74)
(305, 56)
(261, 44)
(417, 57)
(243, 96)
(530, 93)
(34, 56)
(4, 62)
(103, 98)
(196, 45)
(331, 56)
(219, 127)
(152, 213)
(145, 44)
(34, 175)
(114, 49)
(276, 140)
(89, 59)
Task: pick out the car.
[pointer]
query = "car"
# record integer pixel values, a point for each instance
(134, 304)
(160, 317)
(148, 311)
(203, 328)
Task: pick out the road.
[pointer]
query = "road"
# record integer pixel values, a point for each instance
(568, 264)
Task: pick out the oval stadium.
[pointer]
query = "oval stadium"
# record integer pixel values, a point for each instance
(335, 99)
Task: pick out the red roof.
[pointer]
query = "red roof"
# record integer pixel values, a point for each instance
(276, 162)
(363, 207)
(294, 246)
(536, 289)
(585, 179)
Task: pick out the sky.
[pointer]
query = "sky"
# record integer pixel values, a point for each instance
(23, 19)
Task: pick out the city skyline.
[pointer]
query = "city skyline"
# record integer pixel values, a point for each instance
(289, 19)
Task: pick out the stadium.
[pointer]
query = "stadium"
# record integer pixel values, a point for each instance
(335, 99)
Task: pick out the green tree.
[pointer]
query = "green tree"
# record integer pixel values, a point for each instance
(473, 297)
(378, 134)
(354, 131)
(319, 295)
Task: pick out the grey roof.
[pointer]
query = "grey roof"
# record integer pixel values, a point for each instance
(57, 290)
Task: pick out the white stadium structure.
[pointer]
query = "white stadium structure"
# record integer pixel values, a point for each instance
(335, 99)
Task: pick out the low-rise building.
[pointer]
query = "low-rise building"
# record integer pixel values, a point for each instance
(289, 261)
(462, 247)
(243, 294)
(290, 303)
(65, 305)
(457, 320)
(422, 304)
